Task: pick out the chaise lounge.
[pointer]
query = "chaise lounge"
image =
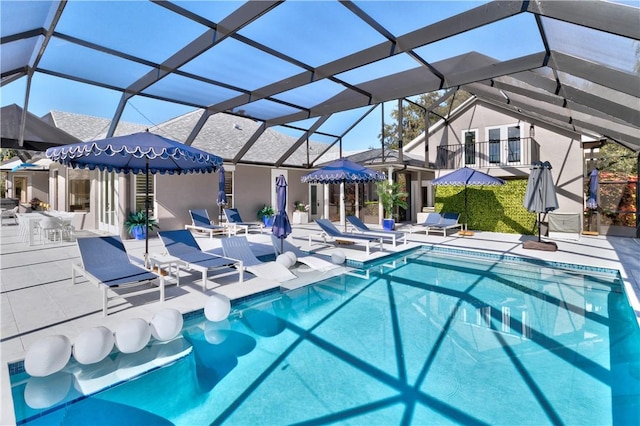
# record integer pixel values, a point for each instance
(105, 262)
(363, 229)
(234, 219)
(200, 222)
(181, 244)
(330, 232)
(436, 222)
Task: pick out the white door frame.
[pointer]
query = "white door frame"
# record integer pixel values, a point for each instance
(319, 201)
(108, 202)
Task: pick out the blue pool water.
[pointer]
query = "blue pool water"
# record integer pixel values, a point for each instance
(432, 339)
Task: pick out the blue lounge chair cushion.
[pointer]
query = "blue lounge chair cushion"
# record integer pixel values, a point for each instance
(330, 229)
(106, 259)
(181, 244)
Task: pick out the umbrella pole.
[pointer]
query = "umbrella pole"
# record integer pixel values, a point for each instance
(146, 214)
(539, 217)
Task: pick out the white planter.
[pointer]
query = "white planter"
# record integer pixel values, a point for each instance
(300, 217)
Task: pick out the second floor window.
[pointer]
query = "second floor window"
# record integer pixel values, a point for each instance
(470, 147)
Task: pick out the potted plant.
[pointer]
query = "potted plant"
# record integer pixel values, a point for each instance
(391, 196)
(265, 214)
(136, 222)
(300, 212)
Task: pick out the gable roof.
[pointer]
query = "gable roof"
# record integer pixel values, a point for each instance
(38, 134)
(223, 135)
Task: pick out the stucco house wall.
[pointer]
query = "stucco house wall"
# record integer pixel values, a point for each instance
(252, 188)
(562, 149)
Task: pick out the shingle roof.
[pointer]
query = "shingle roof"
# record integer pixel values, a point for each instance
(223, 135)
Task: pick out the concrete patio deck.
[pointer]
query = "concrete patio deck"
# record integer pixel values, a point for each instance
(38, 299)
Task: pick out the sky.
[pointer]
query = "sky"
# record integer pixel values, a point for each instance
(53, 93)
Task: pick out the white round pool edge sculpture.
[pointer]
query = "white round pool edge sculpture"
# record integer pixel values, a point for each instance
(285, 260)
(93, 345)
(217, 308)
(47, 356)
(292, 256)
(166, 324)
(132, 335)
(338, 257)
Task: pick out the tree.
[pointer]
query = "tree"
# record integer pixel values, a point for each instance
(617, 159)
(6, 154)
(391, 196)
(413, 116)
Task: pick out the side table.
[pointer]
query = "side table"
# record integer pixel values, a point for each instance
(168, 263)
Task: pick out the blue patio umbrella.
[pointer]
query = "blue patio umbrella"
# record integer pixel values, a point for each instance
(222, 195)
(143, 152)
(343, 171)
(281, 224)
(540, 195)
(467, 177)
(23, 166)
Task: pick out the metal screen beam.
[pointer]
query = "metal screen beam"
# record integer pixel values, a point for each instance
(254, 137)
(319, 122)
(474, 18)
(598, 15)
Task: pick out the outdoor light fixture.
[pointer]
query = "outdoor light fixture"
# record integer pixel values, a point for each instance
(504, 95)
(532, 131)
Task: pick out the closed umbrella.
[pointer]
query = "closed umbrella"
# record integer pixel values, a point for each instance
(343, 171)
(281, 224)
(540, 195)
(222, 195)
(467, 177)
(136, 153)
(592, 201)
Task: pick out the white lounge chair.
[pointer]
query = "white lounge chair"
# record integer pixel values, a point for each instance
(10, 214)
(200, 222)
(105, 262)
(363, 229)
(181, 244)
(436, 222)
(329, 231)
(234, 219)
(313, 262)
(238, 248)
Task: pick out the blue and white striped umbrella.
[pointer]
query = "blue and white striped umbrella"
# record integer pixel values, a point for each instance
(136, 153)
(343, 171)
(467, 177)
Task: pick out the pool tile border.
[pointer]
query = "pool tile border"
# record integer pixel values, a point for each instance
(491, 256)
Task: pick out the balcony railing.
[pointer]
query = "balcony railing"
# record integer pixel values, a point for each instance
(497, 153)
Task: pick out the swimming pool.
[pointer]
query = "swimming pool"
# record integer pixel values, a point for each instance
(431, 338)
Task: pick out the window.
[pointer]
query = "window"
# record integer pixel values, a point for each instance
(79, 190)
(494, 146)
(470, 147)
(504, 145)
(140, 193)
(513, 144)
(228, 186)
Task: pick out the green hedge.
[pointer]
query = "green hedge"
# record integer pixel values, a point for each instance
(489, 208)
